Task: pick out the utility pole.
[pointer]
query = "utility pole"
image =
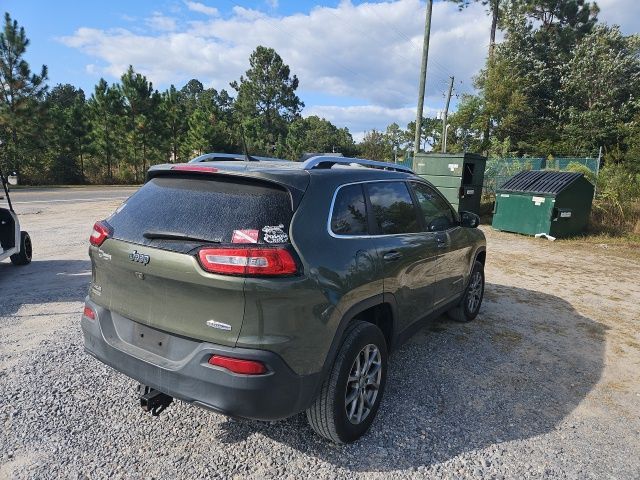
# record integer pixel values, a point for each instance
(595, 187)
(423, 75)
(444, 117)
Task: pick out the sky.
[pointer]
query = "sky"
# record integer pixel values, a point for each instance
(358, 62)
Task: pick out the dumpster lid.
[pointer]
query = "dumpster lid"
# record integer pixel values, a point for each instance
(540, 181)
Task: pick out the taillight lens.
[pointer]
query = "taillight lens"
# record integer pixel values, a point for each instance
(89, 313)
(238, 365)
(101, 232)
(248, 261)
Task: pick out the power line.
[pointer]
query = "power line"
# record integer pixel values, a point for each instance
(271, 21)
(402, 36)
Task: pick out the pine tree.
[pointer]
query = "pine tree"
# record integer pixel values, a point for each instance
(142, 109)
(175, 121)
(106, 111)
(267, 103)
(67, 134)
(21, 93)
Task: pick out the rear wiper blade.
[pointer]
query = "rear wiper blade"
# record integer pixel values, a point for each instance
(156, 235)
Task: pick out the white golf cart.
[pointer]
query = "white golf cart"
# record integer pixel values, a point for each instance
(14, 244)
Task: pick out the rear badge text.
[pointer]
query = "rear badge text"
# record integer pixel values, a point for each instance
(219, 325)
(139, 257)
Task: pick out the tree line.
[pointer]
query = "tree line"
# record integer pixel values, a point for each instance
(112, 135)
(560, 84)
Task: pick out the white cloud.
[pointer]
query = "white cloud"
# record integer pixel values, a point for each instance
(161, 22)
(369, 51)
(273, 4)
(202, 8)
(625, 13)
(364, 118)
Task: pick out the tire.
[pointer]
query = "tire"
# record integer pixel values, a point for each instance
(23, 257)
(469, 305)
(328, 416)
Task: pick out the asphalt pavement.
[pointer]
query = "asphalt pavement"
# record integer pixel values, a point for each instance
(26, 196)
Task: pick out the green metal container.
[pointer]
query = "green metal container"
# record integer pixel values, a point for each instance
(458, 176)
(544, 202)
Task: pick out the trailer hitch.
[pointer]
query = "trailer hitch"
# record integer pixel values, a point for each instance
(152, 400)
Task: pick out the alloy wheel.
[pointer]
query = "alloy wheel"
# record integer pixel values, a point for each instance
(474, 294)
(363, 384)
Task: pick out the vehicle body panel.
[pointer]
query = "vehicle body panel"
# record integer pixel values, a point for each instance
(9, 233)
(172, 292)
(410, 278)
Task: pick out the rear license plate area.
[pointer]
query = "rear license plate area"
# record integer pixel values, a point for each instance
(150, 339)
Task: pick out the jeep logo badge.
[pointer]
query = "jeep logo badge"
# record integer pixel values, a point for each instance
(139, 257)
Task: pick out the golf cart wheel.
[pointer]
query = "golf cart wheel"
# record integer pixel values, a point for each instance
(23, 257)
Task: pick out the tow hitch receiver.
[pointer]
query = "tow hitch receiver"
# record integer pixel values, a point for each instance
(152, 400)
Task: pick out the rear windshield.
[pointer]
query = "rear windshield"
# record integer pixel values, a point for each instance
(220, 210)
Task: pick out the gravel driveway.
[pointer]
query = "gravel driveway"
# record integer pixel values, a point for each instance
(544, 384)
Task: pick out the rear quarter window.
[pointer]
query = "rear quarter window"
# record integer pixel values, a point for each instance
(349, 215)
(211, 209)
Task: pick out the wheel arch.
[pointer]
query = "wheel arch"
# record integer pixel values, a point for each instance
(480, 255)
(380, 310)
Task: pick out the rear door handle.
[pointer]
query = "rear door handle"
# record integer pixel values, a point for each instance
(392, 256)
(441, 242)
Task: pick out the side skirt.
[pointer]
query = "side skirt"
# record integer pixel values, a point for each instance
(412, 329)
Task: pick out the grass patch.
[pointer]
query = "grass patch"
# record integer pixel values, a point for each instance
(508, 338)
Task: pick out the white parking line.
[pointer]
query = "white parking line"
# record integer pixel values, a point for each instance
(70, 200)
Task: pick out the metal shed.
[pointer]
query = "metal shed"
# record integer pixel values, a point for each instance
(458, 176)
(554, 203)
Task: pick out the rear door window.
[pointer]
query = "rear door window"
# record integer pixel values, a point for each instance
(349, 216)
(437, 213)
(220, 210)
(393, 208)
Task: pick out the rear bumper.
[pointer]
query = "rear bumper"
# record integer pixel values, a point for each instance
(178, 367)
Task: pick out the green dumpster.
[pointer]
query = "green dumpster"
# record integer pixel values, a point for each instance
(458, 176)
(557, 204)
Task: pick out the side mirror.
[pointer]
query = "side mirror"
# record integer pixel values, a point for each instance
(469, 220)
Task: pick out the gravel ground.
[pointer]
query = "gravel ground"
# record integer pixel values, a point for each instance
(544, 384)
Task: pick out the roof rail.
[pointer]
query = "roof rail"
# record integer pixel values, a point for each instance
(238, 157)
(316, 162)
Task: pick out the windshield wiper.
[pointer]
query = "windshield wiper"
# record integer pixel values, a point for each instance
(158, 235)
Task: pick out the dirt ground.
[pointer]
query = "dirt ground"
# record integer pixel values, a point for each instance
(545, 383)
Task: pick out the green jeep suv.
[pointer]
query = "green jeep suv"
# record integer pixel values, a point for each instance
(261, 289)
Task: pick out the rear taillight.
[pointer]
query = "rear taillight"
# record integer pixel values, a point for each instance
(89, 313)
(101, 232)
(248, 261)
(238, 365)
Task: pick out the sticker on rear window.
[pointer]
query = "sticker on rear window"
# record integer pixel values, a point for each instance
(245, 236)
(275, 234)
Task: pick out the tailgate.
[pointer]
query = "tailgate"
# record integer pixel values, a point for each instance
(148, 268)
(171, 292)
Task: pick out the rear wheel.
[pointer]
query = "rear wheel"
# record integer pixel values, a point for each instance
(351, 393)
(23, 257)
(469, 306)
